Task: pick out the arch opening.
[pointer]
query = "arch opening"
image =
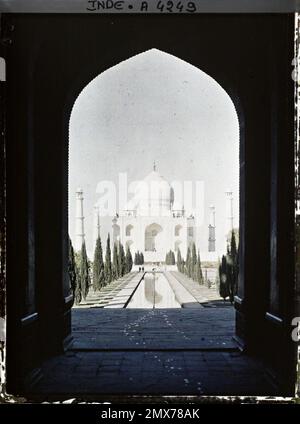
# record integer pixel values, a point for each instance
(177, 230)
(152, 237)
(127, 120)
(177, 245)
(129, 229)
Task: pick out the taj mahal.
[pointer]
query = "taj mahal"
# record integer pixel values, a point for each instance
(152, 222)
(153, 226)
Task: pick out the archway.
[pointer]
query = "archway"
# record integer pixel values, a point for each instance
(177, 245)
(180, 93)
(231, 69)
(129, 229)
(38, 295)
(177, 230)
(199, 99)
(126, 121)
(152, 237)
(129, 244)
(116, 232)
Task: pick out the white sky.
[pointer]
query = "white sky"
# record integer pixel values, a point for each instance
(154, 106)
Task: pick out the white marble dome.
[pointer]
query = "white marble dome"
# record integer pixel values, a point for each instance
(154, 194)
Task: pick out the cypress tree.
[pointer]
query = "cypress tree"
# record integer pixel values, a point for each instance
(194, 263)
(122, 260)
(119, 260)
(232, 268)
(84, 272)
(78, 296)
(98, 266)
(173, 258)
(179, 261)
(188, 262)
(138, 260)
(128, 260)
(107, 265)
(183, 267)
(169, 258)
(124, 263)
(199, 274)
(230, 280)
(115, 263)
(223, 290)
(72, 269)
(233, 248)
(217, 279)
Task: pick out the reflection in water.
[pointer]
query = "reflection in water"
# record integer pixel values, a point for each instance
(154, 291)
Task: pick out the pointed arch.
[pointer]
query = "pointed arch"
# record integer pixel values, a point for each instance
(98, 101)
(152, 232)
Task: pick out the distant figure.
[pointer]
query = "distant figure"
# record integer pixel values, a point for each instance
(139, 269)
(142, 268)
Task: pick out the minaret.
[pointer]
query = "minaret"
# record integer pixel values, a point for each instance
(96, 224)
(79, 230)
(229, 208)
(115, 230)
(212, 229)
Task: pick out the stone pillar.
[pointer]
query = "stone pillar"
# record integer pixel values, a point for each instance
(115, 230)
(96, 224)
(212, 230)
(229, 209)
(79, 232)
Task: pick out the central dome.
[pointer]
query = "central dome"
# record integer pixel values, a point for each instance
(154, 176)
(154, 194)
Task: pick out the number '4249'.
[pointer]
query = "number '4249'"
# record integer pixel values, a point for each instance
(176, 7)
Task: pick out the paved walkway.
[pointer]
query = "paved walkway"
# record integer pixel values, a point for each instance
(183, 296)
(204, 295)
(183, 351)
(146, 329)
(114, 295)
(154, 352)
(81, 373)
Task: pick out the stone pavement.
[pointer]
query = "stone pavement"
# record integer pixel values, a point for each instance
(183, 296)
(117, 294)
(204, 295)
(114, 295)
(153, 352)
(153, 373)
(146, 329)
(183, 351)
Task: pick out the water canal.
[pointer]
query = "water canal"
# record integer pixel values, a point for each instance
(154, 291)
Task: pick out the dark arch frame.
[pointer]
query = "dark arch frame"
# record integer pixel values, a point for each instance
(49, 62)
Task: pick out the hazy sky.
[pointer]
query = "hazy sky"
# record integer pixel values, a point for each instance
(154, 106)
